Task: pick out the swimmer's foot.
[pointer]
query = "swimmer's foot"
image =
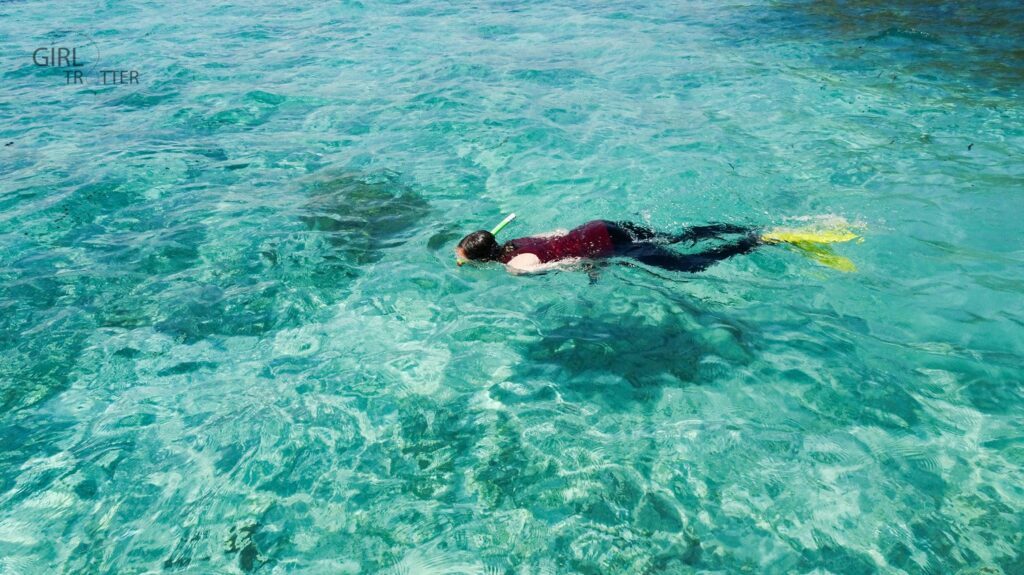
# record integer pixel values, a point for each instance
(813, 240)
(825, 232)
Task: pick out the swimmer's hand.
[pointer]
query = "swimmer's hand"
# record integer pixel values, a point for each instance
(592, 272)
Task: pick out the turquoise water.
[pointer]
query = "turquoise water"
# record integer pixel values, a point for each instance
(232, 337)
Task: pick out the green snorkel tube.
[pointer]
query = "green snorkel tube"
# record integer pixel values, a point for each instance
(508, 219)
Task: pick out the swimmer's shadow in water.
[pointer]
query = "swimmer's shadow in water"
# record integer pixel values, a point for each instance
(632, 358)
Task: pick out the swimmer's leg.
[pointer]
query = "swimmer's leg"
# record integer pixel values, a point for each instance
(710, 231)
(639, 233)
(654, 255)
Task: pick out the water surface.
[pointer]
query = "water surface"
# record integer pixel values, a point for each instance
(232, 337)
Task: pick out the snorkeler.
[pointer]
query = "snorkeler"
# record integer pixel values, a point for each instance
(601, 239)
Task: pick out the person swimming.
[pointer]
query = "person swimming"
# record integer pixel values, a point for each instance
(600, 239)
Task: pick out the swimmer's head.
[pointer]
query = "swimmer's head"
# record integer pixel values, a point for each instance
(478, 246)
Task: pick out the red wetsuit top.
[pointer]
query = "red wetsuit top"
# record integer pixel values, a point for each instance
(591, 240)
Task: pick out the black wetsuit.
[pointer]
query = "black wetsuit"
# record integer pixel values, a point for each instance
(648, 246)
(604, 239)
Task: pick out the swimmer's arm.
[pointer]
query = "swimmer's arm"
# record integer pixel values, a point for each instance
(531, 264)
(525, 264)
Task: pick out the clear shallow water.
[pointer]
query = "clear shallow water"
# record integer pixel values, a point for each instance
(232, 338)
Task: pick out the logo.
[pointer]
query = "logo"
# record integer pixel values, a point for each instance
(77, 57)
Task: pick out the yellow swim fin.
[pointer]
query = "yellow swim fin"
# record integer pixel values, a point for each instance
(812, 241)
(816, 235)
(825, 256)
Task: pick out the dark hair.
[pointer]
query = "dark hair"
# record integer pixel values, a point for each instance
(480, 245)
